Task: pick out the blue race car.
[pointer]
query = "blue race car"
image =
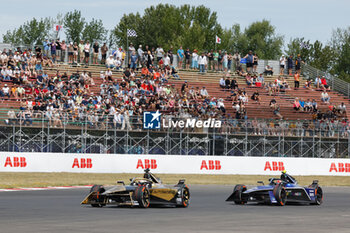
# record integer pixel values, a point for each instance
(279, 191)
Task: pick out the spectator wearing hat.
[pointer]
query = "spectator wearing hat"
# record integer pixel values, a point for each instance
(5, 91)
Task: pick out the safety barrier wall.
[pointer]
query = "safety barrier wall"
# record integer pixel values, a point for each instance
(173, 164)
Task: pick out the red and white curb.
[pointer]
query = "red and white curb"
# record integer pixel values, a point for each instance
(45, 188)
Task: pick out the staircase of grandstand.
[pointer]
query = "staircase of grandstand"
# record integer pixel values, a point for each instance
(211, 82)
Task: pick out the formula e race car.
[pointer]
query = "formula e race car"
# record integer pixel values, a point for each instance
(279, 191)
(143, 192)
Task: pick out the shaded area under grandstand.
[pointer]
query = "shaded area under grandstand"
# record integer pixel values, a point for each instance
(59, 211)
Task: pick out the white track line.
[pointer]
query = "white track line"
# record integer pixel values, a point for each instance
(44, 188)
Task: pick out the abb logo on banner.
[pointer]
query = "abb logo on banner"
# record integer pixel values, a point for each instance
(82, 163)
(276, 166)
(211, 165)
(342, 167)
(148, 163)
(15, 162)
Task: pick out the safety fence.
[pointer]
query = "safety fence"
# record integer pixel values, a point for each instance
(84, 133)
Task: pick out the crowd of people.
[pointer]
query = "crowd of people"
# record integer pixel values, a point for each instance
(144, 85)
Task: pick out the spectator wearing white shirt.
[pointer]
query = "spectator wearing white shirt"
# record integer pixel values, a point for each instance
(160, 53)
(204, 93)
(5, 91)
(325, 97)
(202, 61)
(110, 63)
(194, 59)
(166, 60)
(282, 64)
(117, 63)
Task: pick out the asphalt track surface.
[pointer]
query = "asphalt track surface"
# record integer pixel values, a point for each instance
(60, 211)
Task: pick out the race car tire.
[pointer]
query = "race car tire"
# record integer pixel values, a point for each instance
(185, 196)
(142, 196)
(318, 195)
(280, 194)
(98, 189)
(238, 190)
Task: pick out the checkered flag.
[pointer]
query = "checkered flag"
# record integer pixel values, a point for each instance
(304, 45)
(131, 33)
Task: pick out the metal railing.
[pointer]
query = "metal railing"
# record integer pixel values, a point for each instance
(335, 83)
(81, 133)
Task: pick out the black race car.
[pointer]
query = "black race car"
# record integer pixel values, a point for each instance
(143, 192)
(279, 191)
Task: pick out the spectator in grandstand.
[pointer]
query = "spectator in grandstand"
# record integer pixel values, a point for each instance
(342, 109)
(110, 62)
(195, 59)
(324, 84)
(95, 50)
(46, 45)
(272, 103)
(204, 93)
(87, 52)
(202, 61)
(223, 84)
(256, 97)
(63, 50)
(290, 64)
(236, 59)
(160, 53)
(12, 118)
(181, 56)
(296, 104)
(268, 70)
(5, 91)
(282, 64)
(325, 97)
(229, 62)
(104, 50)
(298, 63)
(318, 82)
(255, 62)
(314, 105)
(307, 85)
(27, 117)
(296, 80)
(187, 58)
(250, 60)
(133, 60)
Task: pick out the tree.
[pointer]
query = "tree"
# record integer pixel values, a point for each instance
(263, 40)
(94, 31)
(340, 44)
(74, 25)
(130, 21)
(168, 25)
(31, 33)
(300, 46)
